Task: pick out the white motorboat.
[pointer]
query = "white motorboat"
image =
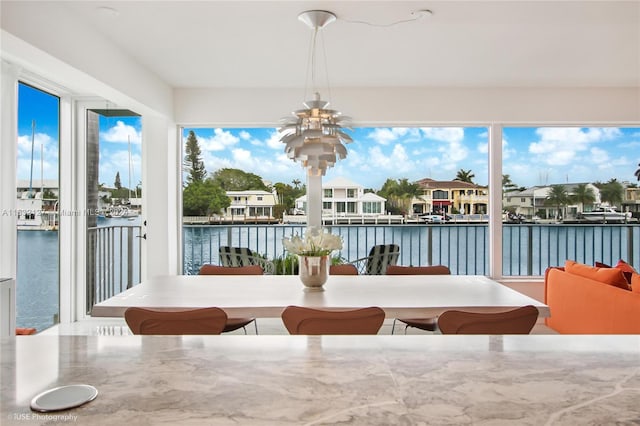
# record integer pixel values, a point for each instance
(605, 214)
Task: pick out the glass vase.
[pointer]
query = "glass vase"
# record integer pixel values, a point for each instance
(313, 272)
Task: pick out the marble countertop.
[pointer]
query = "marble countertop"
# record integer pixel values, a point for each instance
(326, 380)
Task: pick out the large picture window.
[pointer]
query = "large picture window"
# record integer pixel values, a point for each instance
(392, 176)
(569, 193)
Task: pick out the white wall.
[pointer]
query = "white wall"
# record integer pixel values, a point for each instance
(161, 200)
(415, 106)
(8, 153)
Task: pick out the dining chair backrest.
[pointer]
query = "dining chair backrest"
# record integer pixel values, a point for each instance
(301, 320)
(235, 256)
(343, 269)
(380, 257)
(243, 256)
(180, 321)
(418, 270)
(517, 321)
(230, 270)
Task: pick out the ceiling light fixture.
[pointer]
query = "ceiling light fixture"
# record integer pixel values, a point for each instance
(314, 135)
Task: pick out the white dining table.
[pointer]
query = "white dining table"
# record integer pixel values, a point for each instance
(265, 296)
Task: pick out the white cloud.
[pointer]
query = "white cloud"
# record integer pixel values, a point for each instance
(444, 134)
(273, 141)
(242, 157)
(453, 152)
(121, 133)
(507, 152)
(45, 157)
(384, 135)
(629, 145)
(244, 135)
(221, 140)
(599, 156)
(558, 146)
(118, 162)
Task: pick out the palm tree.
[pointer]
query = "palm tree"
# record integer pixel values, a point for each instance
(465, 176)
(399, 194)
(611, 192)
(507, 184)
(558, 197)
(406, 192)
(296, 183)
(583, 195)
(637, 173)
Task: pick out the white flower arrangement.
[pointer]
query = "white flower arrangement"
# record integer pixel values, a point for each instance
(314, 243)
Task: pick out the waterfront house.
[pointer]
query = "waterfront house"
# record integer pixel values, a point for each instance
(37, 204)
(251, 204)
(631, 201)
(342, 197)
(533, 201)
(451, 197)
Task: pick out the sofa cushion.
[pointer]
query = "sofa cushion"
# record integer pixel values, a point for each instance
(635, 283)
(610, 276)
(626, 269)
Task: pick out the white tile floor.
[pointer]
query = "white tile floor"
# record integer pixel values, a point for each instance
(117, 327)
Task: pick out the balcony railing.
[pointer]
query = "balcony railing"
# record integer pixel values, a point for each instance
(113, 261)
(528, 249)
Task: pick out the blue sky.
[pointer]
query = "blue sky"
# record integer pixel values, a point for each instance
(531, 156)
(115, 132)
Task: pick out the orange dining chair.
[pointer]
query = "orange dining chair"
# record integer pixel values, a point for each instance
(230, 270)
(241, 322)
(174, 322)
(429, 323)
(343, 269)
(517, 321)
(301, 320)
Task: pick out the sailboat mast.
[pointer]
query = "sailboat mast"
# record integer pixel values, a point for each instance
(42, 170)
(130, 169)
(33, 137)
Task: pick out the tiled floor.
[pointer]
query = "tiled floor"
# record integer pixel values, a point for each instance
(117, 327)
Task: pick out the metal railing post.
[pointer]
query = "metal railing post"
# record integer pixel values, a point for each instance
(129, 257)
(529, 250)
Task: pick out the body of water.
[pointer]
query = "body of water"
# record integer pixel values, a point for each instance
(38, 272)
(37, 282)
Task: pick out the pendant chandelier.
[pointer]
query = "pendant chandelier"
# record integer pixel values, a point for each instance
(314, 135)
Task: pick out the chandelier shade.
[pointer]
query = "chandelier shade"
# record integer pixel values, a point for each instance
(314, 136)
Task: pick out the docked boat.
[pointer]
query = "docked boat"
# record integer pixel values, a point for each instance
(121, 212)
(604, 214)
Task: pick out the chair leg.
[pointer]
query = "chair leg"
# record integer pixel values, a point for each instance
(255, 324)
(393, 326)
(245, 330)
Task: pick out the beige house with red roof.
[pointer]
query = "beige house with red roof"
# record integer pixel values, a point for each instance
(451, 196)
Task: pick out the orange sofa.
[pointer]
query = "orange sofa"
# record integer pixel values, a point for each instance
(581, 305)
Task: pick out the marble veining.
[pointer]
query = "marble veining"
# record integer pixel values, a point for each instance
(328, 380)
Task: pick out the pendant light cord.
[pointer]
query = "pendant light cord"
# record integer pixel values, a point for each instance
(415, 16)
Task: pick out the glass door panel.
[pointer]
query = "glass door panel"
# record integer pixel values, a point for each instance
(37, 282)
(114, 202)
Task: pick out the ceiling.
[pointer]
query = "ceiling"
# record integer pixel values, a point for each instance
(191, 44)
